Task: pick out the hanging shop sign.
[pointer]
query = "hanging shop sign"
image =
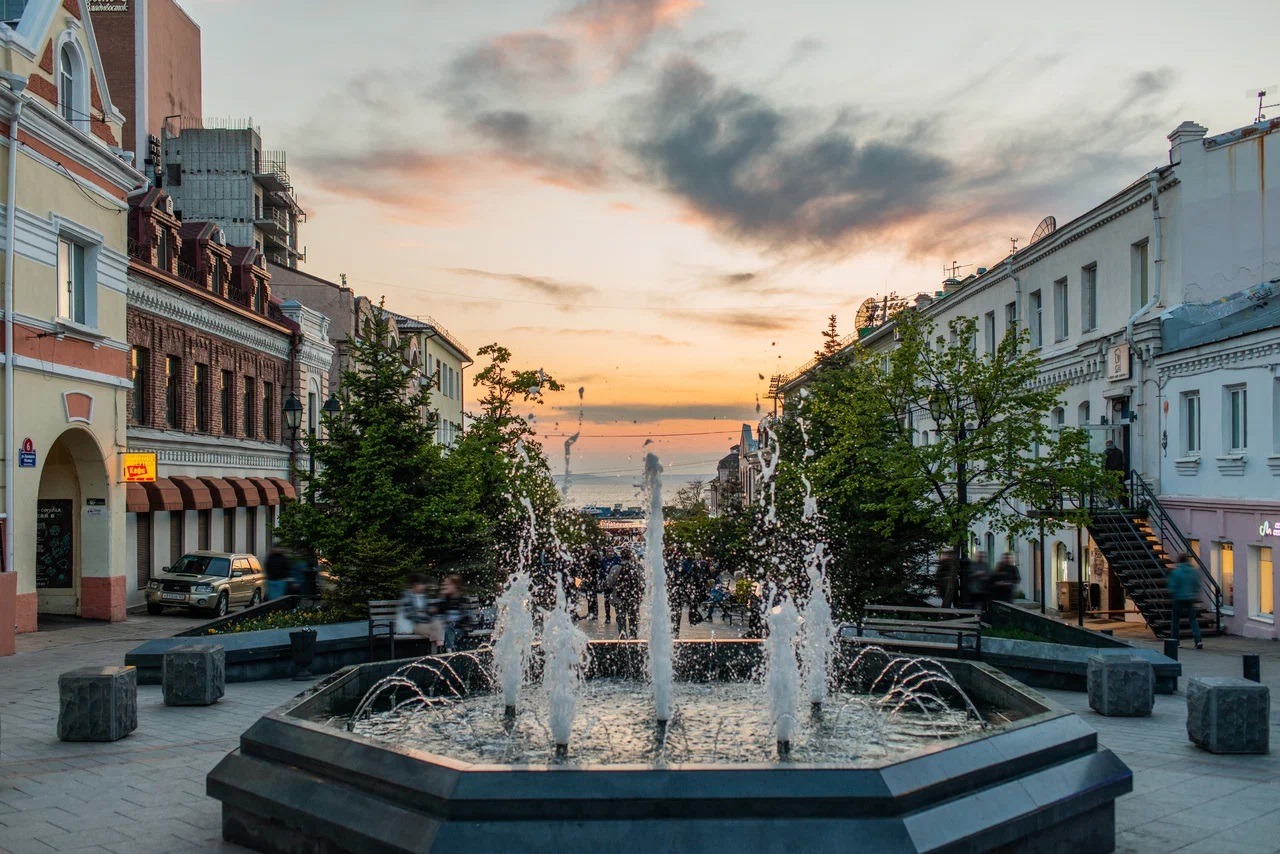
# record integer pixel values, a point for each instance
(139, 467)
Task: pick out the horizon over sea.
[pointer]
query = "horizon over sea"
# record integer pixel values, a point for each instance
(606, 491)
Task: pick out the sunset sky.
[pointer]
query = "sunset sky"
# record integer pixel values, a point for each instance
(662, 200)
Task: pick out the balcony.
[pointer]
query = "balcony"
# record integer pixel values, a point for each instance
(273, 221)
(272, 174)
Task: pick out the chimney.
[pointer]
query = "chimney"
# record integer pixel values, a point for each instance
(950, 284)
(1187, 132)
(923, 301)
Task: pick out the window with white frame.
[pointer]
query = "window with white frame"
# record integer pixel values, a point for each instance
(1082, 414)
(1061, 322)
(73, 288)
(1262, 592)
(1089, 298)
(1035, 318)
(1139, 274)
(1224, 572)
(73, 105)
(1191, 422)
(1237, 417)
(1010, 318)
(1057, 418)
(989, 332)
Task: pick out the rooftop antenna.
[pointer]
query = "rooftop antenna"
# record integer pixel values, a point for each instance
(955, 268)
(342, 277)
(1261, 94)
(1014, 242)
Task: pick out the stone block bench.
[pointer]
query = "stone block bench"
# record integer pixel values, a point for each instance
(97, 703)
(1120, 684)
(194, 675)
(1226, 714)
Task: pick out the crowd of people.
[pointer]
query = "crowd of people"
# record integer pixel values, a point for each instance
(970, 582)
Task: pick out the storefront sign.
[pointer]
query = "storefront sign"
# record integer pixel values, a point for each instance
(1266, 529)
(1118, 362)
(139, 468)
(27, 454)
(96, 6)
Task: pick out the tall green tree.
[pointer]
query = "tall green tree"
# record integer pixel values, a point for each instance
(384, 502)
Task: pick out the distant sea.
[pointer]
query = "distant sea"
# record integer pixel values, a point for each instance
(606, 490)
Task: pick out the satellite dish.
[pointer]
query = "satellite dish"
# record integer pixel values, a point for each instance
(867, 313)
(1047, 226)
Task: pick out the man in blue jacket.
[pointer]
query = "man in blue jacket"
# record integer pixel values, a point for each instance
(1184, 588)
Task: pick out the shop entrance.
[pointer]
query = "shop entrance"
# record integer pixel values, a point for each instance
(72, 526)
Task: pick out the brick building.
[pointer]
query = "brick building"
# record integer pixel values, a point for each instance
(212, 364)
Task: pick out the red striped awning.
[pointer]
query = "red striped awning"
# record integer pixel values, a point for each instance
(247, 494)
(163, 495)
(269, 491)
(220, 492)
(287, 492)
(136, 500)
(195, 494)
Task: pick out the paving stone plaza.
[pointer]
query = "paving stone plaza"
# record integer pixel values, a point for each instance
(146, 792)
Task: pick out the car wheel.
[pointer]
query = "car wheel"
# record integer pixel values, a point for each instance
(257, 598)
(223, 605)
(155, 610)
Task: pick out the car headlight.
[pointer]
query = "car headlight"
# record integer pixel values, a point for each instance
(153, 585)
(203, 588)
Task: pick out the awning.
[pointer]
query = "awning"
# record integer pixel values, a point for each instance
(247, 494)
(163, 495)
(195, 495)
(220, 492)
(269, 491)
(136, 500)
(287, 492)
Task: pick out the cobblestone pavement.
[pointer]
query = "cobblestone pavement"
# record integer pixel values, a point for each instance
(145, 793)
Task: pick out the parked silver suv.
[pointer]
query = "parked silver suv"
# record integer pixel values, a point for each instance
(207, 581)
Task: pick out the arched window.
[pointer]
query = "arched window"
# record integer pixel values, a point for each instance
(72, 85)
(1058, 418)
(1082, 413)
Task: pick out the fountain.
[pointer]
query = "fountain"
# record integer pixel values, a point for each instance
(661, 745)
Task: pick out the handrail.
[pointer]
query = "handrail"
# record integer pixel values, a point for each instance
(1117, 504)
(1167, 530)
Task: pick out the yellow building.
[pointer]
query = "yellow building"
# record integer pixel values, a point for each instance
(66, 360)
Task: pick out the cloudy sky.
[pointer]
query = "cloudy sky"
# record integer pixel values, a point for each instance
(660, 201)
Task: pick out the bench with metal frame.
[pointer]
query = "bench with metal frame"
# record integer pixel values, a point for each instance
(957, 623)
(382, 623)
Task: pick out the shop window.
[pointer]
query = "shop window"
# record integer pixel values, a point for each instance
(1224, 572)
(144, 549)
(251, 530)
(177, 536)
(1262, 583)
(204, 521)
(229, 530)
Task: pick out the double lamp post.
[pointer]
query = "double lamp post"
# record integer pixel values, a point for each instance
(293, 410)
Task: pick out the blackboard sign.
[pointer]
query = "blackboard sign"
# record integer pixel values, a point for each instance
(54, 543)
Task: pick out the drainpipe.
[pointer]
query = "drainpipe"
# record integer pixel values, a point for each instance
(16, 84)
(1152, 301)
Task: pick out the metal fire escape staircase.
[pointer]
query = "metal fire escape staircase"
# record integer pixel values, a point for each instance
(1141, 543)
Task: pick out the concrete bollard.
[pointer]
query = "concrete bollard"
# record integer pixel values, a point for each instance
(1171, 648)
(1252, 668)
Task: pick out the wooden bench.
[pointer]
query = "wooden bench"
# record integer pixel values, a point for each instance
(382, 623)
(954, 623)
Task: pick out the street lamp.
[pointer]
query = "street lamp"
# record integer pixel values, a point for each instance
(293, 420)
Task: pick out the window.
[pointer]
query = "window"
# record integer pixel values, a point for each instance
(138, 359)
(229, 530)
(1139, 276)
(11, 14)
(250, 402)
(200, 380)
(1010, 318)
(1089, 298)
(1061, 323)
(1036, 319)
(1191, 422)
(1224, 572)
(217, 276)
(1264, 597)
(989, 331)
(172, 404)
(313, 412)
(228, 403)
(70, 82)
(259, 296)
(144, 549)
(177, 536)
(268, 410)
(1082, 414)
(164, 252)
(1058, 418)
(251, 530)
(1237, 419)
(204, 519)
(72, 298)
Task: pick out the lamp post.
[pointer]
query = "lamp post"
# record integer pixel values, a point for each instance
(293, 420)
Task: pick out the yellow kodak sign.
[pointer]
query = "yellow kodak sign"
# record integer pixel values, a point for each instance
(139, 468)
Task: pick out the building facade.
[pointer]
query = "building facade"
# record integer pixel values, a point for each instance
(1094, 294)
(222, 174)
(65, 350)
(151, 55)
(314, 356)
(212, 361)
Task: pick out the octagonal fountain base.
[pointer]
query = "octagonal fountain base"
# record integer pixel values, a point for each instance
(1038, 782)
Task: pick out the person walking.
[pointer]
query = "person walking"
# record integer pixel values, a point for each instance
(947, 578)
(279, 570)
(591, 585)
(978, 581)
(1113, 460)
(628, 589)
(1005, 579)
(1184, 588)
(609, 571)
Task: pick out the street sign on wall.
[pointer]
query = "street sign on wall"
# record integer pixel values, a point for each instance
(27, 454)
(139, 467)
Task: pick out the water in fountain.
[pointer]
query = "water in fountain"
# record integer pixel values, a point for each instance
(658, 611)
(817, 632)
(782, 669)
(564, 650)
(513, 628)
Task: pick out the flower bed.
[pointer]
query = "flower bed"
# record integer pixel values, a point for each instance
(297, 618)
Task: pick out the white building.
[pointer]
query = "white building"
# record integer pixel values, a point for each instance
(1091, 294)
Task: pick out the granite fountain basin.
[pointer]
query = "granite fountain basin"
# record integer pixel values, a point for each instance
(1033, 778)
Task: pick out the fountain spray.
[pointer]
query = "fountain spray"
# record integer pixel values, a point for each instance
(568, 448)
(564, 647)
(782, 669)
(514, 625)
(659, 616)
